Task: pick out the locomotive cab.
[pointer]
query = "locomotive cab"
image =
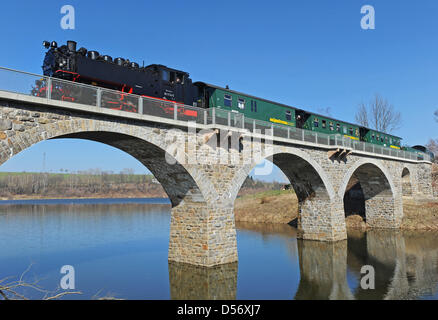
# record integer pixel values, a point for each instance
(170, 84)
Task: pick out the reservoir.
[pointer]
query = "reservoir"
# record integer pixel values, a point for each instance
(118, 248)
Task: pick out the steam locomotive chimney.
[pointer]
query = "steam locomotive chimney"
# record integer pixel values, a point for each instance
(71, 46)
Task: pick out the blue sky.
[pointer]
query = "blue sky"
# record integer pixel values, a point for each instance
(309, 54)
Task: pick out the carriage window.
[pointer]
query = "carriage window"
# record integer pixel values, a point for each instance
(316, 123)
(381, 139)
(350, 130)
(172, 77)
(253, 106)
(357, 132)
(331, 126)
(345, 130)
(241, 103)
(390, 140)
(324, 123)
(165, 74)
(228, 100)
(338, 127)
(372, 136)
(288, 115)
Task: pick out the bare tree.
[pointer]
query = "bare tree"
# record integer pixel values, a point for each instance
(362, 115)
(432, 145)
(379, 114)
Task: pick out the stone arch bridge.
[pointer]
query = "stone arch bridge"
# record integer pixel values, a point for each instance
(202, 173)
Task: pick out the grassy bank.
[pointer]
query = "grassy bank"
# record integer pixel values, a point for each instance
(282, 207)
(420, 216)
(274, 206)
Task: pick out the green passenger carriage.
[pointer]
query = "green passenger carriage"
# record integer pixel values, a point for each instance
(211, 96)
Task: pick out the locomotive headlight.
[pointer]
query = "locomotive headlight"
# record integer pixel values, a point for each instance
(46, 44)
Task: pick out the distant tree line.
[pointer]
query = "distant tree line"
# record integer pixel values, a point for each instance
(251, 183)
(80, 184)
(94, 183)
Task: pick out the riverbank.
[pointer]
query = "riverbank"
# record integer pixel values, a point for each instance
(282, 207)
(276, 206)
(130, 195)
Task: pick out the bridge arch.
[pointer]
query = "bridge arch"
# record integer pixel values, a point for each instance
(147, 147)
(406, 182)
(320, 215)
(184, 184)
(382, 209)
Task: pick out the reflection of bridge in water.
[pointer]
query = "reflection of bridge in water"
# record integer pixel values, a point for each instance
(405, 263)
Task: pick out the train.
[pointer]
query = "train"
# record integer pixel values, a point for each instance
(156, 81)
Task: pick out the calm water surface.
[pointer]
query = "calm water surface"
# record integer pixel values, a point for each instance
(118, 248)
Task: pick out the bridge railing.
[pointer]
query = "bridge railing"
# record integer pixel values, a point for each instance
(62, 90)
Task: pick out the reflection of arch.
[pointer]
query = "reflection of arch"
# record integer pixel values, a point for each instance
(384, 251)
(379, 193)
(404, 262)
(188, 282)
(320, 211)
(406, 182)
(323, 271)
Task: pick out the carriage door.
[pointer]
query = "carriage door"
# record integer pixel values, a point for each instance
(238, 116)
(206, 102)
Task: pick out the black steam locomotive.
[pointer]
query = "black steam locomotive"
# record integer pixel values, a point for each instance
(90, 67)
